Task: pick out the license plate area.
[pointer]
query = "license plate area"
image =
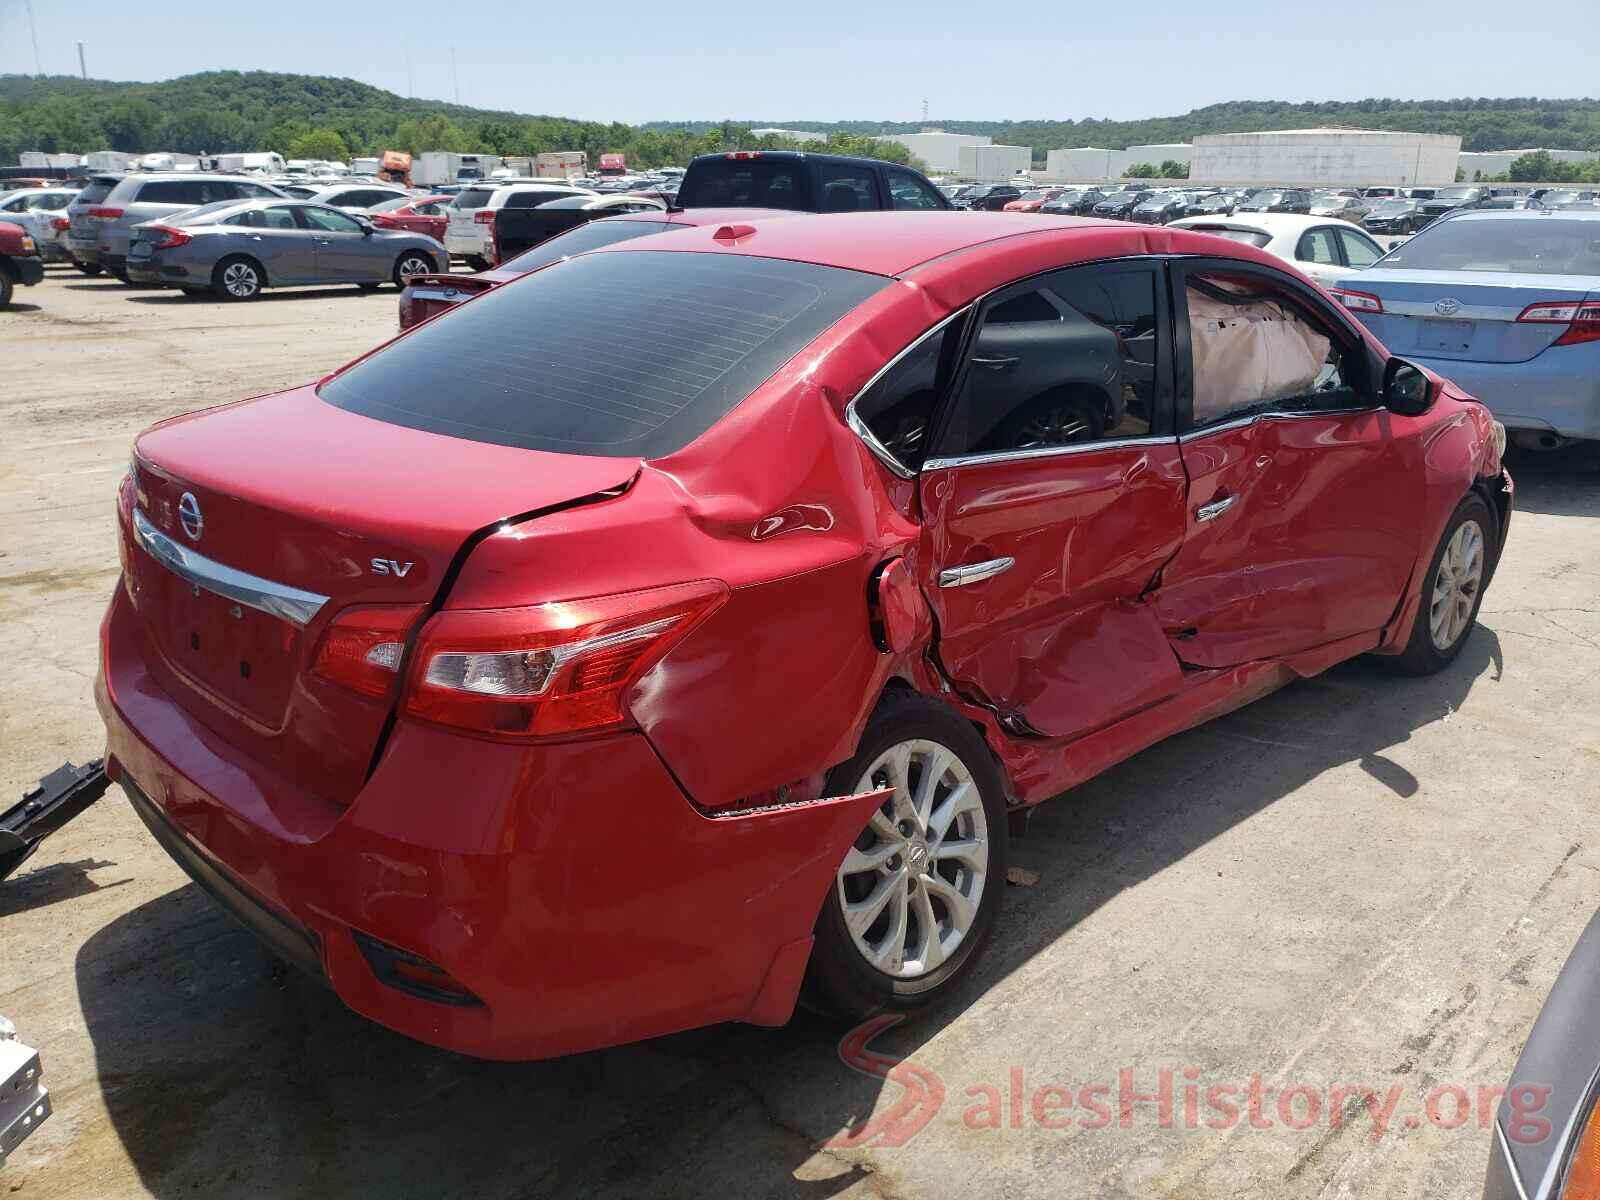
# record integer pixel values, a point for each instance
(239, 654)
(1449, 336)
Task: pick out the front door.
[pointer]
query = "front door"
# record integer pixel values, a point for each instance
(1052, 494)
(344, 250)
(286, 249)
(1301, 518)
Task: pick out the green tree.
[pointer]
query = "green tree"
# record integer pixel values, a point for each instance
(1142, 170)
(318, 143)
(1173, 169)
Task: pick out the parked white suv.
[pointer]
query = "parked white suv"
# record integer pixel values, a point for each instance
(469, 233)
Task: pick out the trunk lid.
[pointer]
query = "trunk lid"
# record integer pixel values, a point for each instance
(429, 295)
(1470, 318)
(305, 510)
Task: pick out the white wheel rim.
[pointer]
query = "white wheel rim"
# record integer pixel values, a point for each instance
(911, 885)
(1456, 585)
(239, 279)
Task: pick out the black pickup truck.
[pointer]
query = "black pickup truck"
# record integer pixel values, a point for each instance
(803, 182)
(522, 226)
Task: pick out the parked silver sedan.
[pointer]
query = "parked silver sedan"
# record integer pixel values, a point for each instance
(236, 250)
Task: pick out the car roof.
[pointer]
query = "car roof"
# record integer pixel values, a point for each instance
(892, 243)
(1276, 224)
(1527, 214)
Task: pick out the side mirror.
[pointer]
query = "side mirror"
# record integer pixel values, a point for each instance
(366, 226)
(1406, 390)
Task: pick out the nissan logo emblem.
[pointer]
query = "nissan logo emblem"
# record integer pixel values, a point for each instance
(189, 516)
(1447, 307)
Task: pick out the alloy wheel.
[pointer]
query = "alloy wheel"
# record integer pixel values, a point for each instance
(1056, 426)
(1456, 585)
(911, 885)
(241, 280)
(412, 265)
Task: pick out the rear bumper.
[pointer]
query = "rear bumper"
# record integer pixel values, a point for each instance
(570, 892)
(466, 245)
(1559, 391)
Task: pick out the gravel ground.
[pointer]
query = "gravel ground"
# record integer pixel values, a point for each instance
(1364, 880)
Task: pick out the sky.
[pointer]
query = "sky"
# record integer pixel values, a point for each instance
(835, 59)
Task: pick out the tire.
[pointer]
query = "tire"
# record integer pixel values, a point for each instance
(238, 278)
(841, 979)
(412, 262)
(8, 288)
(194, 293)
(90, 269)
(1056, 418)
(477, 263)
(121, 276)
(1449, 606)
(368, 287)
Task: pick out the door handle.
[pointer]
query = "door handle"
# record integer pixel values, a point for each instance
(975, 572)
(996, 364)
(1210, 512)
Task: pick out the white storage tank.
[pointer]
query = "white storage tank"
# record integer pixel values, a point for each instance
(1348, 157)
(994, 162)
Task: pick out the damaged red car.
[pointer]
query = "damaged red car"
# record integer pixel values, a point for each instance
(664, 635)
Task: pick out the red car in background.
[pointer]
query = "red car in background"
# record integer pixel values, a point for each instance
(429, 295)
(420, 214)
(668, 629)
(1033, 201)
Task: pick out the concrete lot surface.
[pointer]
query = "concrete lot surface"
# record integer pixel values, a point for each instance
(1366, 880)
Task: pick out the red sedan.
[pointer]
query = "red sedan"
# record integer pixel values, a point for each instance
(1033, 201)
(429, 295)
(689, 621)
(419, 214)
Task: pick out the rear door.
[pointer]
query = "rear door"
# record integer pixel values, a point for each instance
(1301, 519)
(1054, 494)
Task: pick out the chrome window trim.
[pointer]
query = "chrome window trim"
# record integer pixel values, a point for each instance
(859, 427)
(1241, 422)
(1004, 456)
(291, 604)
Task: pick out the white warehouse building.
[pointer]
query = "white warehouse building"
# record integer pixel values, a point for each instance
(794, 135)
(939, 151)
(1352, 157)
(994, 162)
(1480, 164)
(1091, 164)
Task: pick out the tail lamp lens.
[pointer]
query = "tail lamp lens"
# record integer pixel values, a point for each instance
(1582, 319)
(165, 237)
(106, 214)
(1357, 301)
(549, 669)
(59, 224)
(362, 648)
(484, 216)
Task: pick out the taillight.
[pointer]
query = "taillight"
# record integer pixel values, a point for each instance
(106, 214)
(1357, 301)
(168, 237)
(362, 648)
(484, 216)
(59, 223)
(742, 155)
(1583, 1172)
(549, 669)
(1582, 319)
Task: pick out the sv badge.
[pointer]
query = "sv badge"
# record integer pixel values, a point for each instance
(388, 566)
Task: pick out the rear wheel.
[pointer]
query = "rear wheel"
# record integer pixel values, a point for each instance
(477, 263)
(8, 287)
(88, 268)
(411, 263)
(913, 901)
(1054, 419)
(121, 275)
(1453, 588)
(238, 278)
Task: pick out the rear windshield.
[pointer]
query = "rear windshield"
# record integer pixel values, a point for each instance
(615, 354)
(745, 183)
(584, 238)
(1532, 245)
(473, 197)
(95, 191)
(1250, 237)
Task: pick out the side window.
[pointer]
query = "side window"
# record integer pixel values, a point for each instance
(899, 407)
(1359, 250)
(279, 216)
(1259, 346)
(249, 219)
(254, 191)
(428, 210)
(1069, 358)
(846, 188)
(1317, 246)
(907, 191)
(328, 220)
(167, 191)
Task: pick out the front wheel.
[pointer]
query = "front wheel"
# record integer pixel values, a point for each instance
(1452, 590)
(913, 901)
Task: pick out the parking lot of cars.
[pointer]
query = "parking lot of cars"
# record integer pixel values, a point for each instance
(1374, 875)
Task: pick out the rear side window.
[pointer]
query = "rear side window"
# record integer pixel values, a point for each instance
(95, 191)
(745, 183)
(172, 191)
(634, 353)
(534, 199)
(473, 197)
